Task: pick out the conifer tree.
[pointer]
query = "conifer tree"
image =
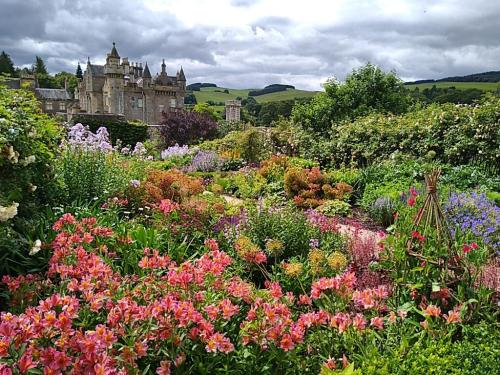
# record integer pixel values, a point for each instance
(6, 64)
(79, 73)
(39, 67)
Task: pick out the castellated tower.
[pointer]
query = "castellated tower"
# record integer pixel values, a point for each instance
(127, 88)
(113, 84)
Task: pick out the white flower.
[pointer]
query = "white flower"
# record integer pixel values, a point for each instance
(37, 246)
(33, 187)
(12, 156)
(8, 212)
(30, 159)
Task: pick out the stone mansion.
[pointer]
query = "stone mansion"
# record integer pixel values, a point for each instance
(122, 88)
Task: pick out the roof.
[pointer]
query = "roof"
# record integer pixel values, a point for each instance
(146, 73)
(12, 83)
(114, 52)
(97, 70)
(182, 77)
(54, 94)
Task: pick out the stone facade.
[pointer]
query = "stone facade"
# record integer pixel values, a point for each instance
(121, 88)
(233, 110)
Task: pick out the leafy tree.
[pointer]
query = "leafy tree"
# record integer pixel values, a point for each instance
(39, 66)
(62, 77)
(366, 90)
(206, 109)
(79, 72)
(186, 127)
(190, 98)
(6, 65)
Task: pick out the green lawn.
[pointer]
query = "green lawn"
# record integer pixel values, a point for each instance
(486, 86)
(216, 94)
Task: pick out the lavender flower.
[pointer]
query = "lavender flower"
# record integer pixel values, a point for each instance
(175, 151)
(476, 214)
(232, 225)
(139, 150)
(205, 161)
(80, 137)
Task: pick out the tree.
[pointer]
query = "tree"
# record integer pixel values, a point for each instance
(366, 90)
(79, 73)
(6, 65)
(39, 66)
(62, 78)
(186, 127)
(206, 109)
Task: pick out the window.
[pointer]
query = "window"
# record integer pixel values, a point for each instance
(173, 103)
(62, 106)
(48, 106)
(161, 107)
(139, 103)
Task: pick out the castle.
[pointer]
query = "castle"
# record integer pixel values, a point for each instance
(121, 88)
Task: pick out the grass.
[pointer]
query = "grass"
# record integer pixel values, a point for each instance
(216, 94)
(486, 86)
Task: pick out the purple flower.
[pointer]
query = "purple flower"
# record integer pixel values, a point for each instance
(175, 151)
(205, 161)
(474, 213)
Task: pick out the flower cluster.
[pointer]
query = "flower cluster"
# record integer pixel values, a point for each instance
(249, 251)
(80, 137)
(175, 151)
(8, 212)
(474, 213)
(205, 161)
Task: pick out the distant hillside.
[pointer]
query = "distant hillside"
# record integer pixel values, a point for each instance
(218, 95)
(197, 86)
(487, 77)
(484, 86)
(271, 88)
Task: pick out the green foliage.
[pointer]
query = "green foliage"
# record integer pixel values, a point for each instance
(28, 143)
(79, 72)
(247, 185)
(253, 146)
(6, 65)
(39, 66)
(477, 353)
(288, 225)
(335, 207)
(129, 133)
(446, 133)
(91, 175)
(205, 109)
(367, 89)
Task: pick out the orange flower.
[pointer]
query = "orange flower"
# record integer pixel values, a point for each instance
(433, 310)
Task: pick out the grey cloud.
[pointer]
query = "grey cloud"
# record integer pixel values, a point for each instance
(437, 39)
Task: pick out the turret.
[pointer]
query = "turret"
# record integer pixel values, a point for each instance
(181, 76)
(163, 67)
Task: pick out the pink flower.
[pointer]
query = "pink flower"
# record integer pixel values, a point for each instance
(164, 368)
(377, 322)
(167, 206)
(432, 310)
(286, 342)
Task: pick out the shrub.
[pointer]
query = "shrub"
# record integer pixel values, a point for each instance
(334, 207)
(186, 127)
(309, 187)
(205, 161)
(172, 184)
(28, 143)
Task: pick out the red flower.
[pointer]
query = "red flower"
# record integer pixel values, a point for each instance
(466, 248)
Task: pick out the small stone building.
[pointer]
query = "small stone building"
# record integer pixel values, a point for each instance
(233, 110)
(123, 88)
(54, 101)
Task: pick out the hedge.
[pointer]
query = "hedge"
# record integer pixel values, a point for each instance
(128, 132)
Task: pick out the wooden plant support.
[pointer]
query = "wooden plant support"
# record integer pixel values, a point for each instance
(431, 215)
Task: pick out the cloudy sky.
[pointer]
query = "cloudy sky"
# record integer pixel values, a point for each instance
(252, 43)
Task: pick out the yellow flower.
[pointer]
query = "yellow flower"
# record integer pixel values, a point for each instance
(293, 269)
(337, 260)
(274, 247)
(316, 260)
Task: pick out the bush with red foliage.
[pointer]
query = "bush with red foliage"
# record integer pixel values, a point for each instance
(310, 187)
(186, 127)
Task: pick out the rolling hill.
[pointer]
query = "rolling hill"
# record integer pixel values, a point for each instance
(485, 86)
(217, 94)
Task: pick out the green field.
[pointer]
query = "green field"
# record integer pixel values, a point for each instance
(486, 86)
(216, 94)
